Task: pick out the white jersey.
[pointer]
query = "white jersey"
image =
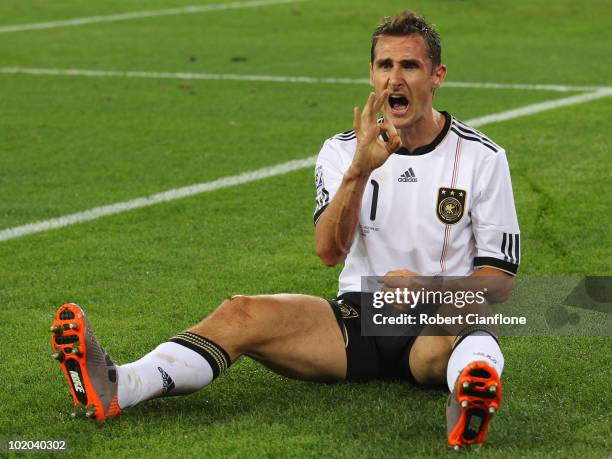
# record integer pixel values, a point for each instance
(444, 209)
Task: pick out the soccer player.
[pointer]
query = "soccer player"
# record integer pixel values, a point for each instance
(414, 193)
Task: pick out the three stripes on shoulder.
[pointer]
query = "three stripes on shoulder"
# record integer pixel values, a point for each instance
(468, 133)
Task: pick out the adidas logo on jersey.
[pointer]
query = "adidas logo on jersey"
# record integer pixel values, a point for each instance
(408, 176)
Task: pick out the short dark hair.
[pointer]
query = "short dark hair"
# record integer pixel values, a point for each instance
(408, 23)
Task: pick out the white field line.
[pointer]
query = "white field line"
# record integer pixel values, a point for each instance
(541, 107)
(142, 14)
(170, 195)
(273, 78)
(246, 177)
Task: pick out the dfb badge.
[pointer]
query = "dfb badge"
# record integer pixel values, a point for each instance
(450, 206)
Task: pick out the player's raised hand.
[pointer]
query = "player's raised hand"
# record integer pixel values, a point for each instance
(375, 141)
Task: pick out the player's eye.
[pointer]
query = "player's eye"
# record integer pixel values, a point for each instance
(410, 64)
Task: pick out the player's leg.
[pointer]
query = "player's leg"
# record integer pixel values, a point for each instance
(470, 364)
(429, 359)
(296, 335)
(473, 378)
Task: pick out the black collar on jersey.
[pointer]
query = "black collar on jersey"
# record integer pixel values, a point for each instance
(430, 147)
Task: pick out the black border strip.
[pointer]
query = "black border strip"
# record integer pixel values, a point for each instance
(205, 353)
(318, 213)
(432, 146)
(480, 262)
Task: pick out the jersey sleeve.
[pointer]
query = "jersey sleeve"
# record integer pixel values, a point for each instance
(494, 219)
(329, 171)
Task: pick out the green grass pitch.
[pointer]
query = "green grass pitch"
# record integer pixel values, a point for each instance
(68, 144)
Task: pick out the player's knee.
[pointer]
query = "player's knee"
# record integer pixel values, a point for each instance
(244, 321)
(240, 309)
(428, 364)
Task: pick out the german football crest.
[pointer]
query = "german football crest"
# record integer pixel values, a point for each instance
(451, 204)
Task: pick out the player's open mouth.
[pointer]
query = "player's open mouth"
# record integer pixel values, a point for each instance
(398, 105)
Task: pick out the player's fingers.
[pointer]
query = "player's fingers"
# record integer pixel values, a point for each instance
(391, 138)
(380, 100)
(394, 142)
(383, 134)
(388, 281)
(389, 127)
(357, 120)
(367, 109)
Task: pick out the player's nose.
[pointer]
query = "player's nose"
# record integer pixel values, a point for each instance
(396, 81)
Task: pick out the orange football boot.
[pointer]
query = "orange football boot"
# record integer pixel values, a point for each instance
(476, 398)
(90, 373)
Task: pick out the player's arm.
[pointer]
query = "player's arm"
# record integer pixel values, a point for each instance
(498, 284)
(335, 228)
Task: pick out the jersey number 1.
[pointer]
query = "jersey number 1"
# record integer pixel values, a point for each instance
(374, 199)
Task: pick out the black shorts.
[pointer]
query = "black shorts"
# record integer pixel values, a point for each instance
(370, 357)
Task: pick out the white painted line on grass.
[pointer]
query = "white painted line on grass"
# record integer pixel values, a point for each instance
(142, 14)
(531, 87)
(541, 107)
(178, 75)
(170, 195)
(273, 78)
(246, 177)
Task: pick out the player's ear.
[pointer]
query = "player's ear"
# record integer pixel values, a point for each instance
(439, 74)
(371, 74)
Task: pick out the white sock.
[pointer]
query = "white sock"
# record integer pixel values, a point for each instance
(170, 369)
(476, 346)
